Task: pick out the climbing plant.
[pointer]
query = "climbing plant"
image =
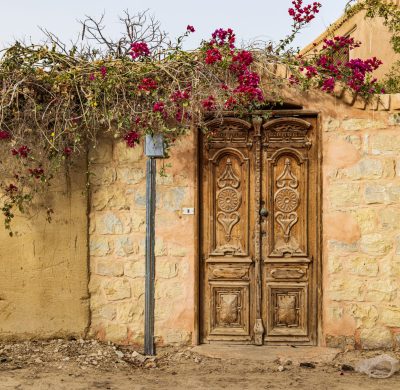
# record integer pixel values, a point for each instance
(56, 101)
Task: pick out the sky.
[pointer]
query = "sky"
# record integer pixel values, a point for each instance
(250, 19)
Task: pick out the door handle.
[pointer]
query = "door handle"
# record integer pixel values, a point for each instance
(264, 212)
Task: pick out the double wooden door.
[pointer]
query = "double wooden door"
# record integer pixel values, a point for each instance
(259, 230)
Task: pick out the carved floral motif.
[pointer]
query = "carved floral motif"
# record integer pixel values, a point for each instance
(286, 202)
(229, 200)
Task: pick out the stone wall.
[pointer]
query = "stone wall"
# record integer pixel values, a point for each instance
(117, 244)
(43, 268)
(361, 221)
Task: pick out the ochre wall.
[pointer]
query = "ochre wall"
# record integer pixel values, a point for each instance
(117, 243)
(43, 269)
(373, 35)
(361, 221)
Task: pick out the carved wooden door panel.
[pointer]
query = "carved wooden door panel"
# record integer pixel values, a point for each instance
(259, 231)
(290, 239)
(227, 232)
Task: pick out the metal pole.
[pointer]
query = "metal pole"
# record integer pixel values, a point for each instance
(149, 348)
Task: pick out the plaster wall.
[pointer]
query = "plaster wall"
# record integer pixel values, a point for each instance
(373, 35)
(43, 268)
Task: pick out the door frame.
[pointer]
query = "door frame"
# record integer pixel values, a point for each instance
(198, 272)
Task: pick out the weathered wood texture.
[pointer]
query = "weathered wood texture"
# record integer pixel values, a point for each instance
(259, 231)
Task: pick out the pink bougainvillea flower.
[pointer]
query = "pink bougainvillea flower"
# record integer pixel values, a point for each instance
(179, 95)
(11, 189)
(139, 49)
(230, 103)
(22, 151)
(148, 84)
(190, 28)
(103, 71)
(158, 107)
(92, 76)
(132, 138)
(328, 85)
(303, 14)
(67, 151)
(4, 134)
(37, 173)
(221, 37)
(209, 103)
(212, 56)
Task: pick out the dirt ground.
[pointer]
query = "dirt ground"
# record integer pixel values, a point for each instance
(79, 364)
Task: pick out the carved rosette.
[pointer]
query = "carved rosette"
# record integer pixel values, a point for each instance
(287, 200)
(229, 200)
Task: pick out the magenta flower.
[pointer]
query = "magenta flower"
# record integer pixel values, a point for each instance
(132, 138)
(92, 76)
(22, 151)
(212, 56)
(209, 103)
(4, 134)
(158, 107)
(103, 71)
(148, 84)
(67, 151)
(190, 28)
(139, 49)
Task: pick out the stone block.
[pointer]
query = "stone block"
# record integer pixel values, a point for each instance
(173, 198)
(343, 342)
(376, 338)
(384, 102)
(364, 169)
(390, 316)
(110, 223)
(342, 247)
(110, 198)
(331, 124)
(125, 246)
(117, 289)
(177, 337)
(99, 247)
(135, 269)
(363, 266)
(125, 154)
(394, 119)
(375, 244)
(380, 291)
(395, 101)
(166, 269)
(138, 221)
(366, 315)
(389, 218)
(354, 124)
(102, 175)
(160, 247)
(109, 268)
(393, 193)
(366, 220)
(131, 175)
(116, 333)
(344, 195)
(101, 153)
(385, 143)
(335, 263)
(131, 313)
(175, 250)
(345, 289)
(375, 194)
(105, 312)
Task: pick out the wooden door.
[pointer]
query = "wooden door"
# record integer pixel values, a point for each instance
(259, 219)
